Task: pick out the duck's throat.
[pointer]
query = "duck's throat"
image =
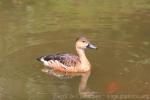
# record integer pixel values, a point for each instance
(83, 58)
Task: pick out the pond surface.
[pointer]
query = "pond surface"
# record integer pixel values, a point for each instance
(31, 28)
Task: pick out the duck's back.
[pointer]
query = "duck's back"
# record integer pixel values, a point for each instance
(63, 60)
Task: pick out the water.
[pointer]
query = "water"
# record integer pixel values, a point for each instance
(31, 28)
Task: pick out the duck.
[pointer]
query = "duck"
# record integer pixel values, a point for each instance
(65, 62)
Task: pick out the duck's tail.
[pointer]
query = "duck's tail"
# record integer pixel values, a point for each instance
(39, 59)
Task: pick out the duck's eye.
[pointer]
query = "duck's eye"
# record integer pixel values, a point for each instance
(83, 41)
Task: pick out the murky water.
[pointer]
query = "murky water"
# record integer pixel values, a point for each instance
(120, 28)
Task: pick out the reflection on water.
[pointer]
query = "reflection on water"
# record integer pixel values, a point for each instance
(30, 28)
(84, 91)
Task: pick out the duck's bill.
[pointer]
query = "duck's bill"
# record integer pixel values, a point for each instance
(91, 46)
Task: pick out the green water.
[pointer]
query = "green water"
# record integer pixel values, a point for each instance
(31, 28)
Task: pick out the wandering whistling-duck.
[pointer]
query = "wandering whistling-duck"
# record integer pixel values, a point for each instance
(69, 62)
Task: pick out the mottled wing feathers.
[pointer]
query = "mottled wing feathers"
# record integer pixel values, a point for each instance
(65, 59)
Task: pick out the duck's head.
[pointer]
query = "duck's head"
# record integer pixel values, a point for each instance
(83, 43)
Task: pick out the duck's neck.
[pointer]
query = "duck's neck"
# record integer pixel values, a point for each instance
(83, 58)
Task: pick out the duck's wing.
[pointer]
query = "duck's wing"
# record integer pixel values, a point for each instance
(66, 60)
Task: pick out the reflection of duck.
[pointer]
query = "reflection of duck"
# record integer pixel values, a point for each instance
(84, 91)
(70, 62)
